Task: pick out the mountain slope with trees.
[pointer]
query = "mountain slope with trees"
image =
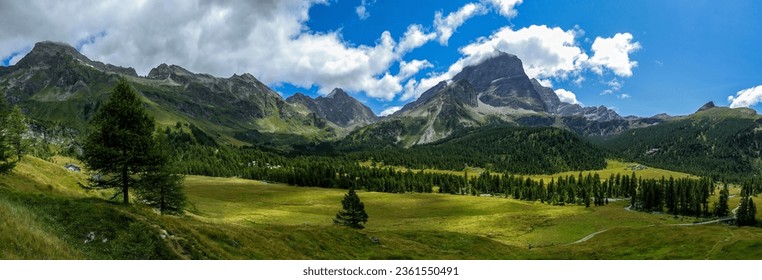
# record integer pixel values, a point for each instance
(719, 142)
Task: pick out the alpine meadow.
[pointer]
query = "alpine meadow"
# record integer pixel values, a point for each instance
(378, 130)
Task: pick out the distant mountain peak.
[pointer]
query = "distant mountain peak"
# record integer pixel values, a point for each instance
(707, 106)
(337, 93)
(337, 107)
(48, 53)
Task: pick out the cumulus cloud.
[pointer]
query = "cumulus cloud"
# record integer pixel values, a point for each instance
(506, 8)
(746, 98)
(446, 25)
(390, 110)
(623, 96)
(408, 69)
(614, 53)
(414, 37)
(546, 53)
(566, 96)
(267, 38)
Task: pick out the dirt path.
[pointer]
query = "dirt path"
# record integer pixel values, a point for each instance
(628, 208)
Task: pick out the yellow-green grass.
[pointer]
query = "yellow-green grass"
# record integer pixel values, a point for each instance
(232, 218)
(22, 236)
(549, 230)
(34, 175)
(665, 242)
(613, 167)
(513, 222)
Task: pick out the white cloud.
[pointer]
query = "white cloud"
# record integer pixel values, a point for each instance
(623, 96)
(545, 83)
(267, 38)
(408, 69)
(390, 110)
(566, 96)
(614, 84)
(746, 98)
(445, 26)
(545, 53)
(414, 37)
(506, 8)
(362, 12)
(614, 53)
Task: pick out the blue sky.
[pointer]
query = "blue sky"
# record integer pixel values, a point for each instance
(639, 57)
(692, 51)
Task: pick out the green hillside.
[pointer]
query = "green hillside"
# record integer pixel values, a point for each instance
(47, 216)
(719, 142)
(498, 148)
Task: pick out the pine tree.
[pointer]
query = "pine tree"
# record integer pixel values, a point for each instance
(161, 185)
(354, 211)
(751, 213)
(7, 153)
(721, 208)
(742, 212)
(120, 146)
(15, 129)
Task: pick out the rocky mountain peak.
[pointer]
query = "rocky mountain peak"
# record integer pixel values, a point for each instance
(337, 107)
(337, 93)
(164, 71)
(48, 53)
(707, 106)
(500, 66)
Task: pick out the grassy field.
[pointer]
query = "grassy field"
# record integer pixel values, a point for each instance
(47, 216)
(613, 167)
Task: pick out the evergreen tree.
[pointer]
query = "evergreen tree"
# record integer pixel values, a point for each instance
(742, 214)
(721, 208)
(6, 151)
(161, 185)
(751, 213)
(353, 213)
(120, 146)
(15, 129)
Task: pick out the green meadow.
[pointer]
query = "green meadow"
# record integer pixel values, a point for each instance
(46, 215)
(613, 167)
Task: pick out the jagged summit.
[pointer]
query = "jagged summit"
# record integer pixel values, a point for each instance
(707, 106)
(337, 107)
(49, 54)
(337, 93)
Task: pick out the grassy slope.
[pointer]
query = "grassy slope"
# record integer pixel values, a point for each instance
(612, 168)
(243, 219)
(509, 222)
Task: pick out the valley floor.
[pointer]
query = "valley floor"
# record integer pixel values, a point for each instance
(47, 216)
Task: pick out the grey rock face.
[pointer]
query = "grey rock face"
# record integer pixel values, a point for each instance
(707, 106)
(50, 54)
(503, 83)
(337, 107)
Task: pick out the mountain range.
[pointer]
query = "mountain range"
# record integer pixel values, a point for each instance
(60, 89)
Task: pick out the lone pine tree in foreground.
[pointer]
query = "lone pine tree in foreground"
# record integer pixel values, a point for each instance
(12, 129)
(16, 127)
(124, 153)
(354, 211)
(6, 152)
